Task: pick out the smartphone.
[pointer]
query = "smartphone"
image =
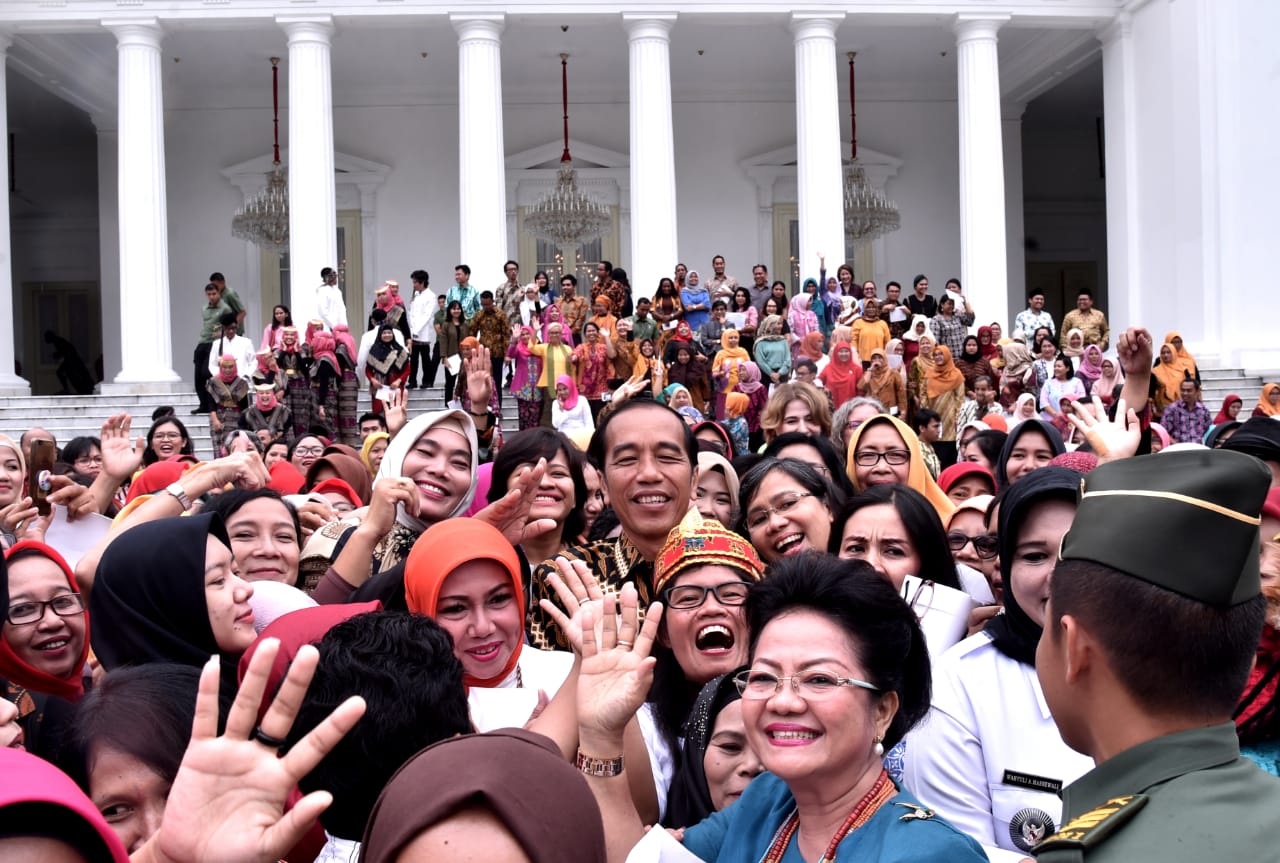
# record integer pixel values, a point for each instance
(39, 469)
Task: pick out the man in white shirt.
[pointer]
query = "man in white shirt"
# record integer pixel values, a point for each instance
(239, 347)
(422, 318)
(330, 307)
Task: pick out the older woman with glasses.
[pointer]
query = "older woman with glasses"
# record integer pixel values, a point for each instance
(838, 671)
(885, 451)
(787, 508)
(993, 763)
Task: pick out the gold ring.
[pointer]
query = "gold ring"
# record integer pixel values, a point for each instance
(627, 644)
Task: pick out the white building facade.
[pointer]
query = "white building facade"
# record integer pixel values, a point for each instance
(416, 135)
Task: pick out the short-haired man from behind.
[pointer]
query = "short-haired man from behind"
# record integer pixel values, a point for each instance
(1154, 614)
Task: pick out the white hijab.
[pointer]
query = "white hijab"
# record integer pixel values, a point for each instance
(393, 459)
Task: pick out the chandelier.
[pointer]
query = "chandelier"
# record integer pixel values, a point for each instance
(867, 212)
(264, 220)
(566, 216)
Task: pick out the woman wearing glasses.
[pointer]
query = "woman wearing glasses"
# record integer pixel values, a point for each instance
(838, 672)
(787, 508)
(44, 639)
(995, 764)
(884, 451)
(166, 438)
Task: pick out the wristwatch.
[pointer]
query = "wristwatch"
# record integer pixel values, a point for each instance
(599, 766)
(175, 489)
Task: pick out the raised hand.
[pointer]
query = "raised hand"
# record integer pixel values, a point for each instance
(227, 801)
(389, 492)
(617, 669)
(1110, 440)
(575, 587)
(396, 410)
(1134, 349)
(510, 513)
(479, 378)
(121, 457)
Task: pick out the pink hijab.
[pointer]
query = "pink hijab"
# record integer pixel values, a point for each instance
(571, 401)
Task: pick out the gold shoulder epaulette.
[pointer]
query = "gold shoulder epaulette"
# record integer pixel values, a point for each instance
(1091, 828)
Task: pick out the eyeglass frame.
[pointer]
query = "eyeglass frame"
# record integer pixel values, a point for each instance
(174, 435)
(741, 680)
(309, 450)
(45, 605)
(791, 498)
(714, 589)
(995, 544)
(905, 454)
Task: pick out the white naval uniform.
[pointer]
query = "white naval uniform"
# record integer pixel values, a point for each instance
(986, 741)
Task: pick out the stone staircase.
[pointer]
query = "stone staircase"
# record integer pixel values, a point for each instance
(1217, 384)
(71, 416)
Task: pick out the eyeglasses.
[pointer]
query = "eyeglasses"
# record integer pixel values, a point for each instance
(782, 505)
(309, 450)
(811, 686)
(89, 459)
(896, 457)
(986, 545)
(63, 605)
(687, 597)
(167, 436)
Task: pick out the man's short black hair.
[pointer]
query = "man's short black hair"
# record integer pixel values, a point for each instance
(923, 417)
(378, 315)
(643, 301)
(513, 263)
(403, 666)
(1034, 292)
(719, 304)
(217, 277)
(897, 285)
(228, 320)
(1084, 292)
(570, 278)
(370, 415)
(464, 268)
(420, 276)
(596, 449)
(807, 363)
(608, 265)
(212, 287)
(1174, 655)
(326, 272)
(486, 295)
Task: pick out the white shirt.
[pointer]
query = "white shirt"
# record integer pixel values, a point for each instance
(330, 307)
(989, 719)
(239, 347)
(577, 418)
(422, 316)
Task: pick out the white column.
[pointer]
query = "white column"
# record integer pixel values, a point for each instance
(146, 348)
(1015, 231)
(819, 173)
(983, 267)
(313, 215)
(10, 383)
(1119, 108)
(109, 242)
(654, 243)
(482, 183)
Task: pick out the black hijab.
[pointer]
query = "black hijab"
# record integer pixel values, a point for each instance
(690, 800)
(1013, 632)
(148, 601)
(1047, 429)
(966, 354)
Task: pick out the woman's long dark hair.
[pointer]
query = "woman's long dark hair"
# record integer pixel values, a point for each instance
(288, 317)
(924, 529)
(149, 456)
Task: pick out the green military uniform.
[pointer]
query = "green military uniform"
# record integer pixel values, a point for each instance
(1187, 796)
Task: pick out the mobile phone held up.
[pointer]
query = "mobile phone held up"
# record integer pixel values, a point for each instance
(39, 471)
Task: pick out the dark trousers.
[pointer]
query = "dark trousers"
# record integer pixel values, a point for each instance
(496, 362)
(428, 358)
(201, 360)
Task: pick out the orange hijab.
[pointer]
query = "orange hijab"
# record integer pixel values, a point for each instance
(1266, 406)
(944, 378)
(918, 476)
(444, 547)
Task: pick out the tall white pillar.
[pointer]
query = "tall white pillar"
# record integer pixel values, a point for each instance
(313, 215)
(482, 178)
(10, 383)
(1119, 101)
(109, 243)
(1015, 230)
(819, 172)
(146, 348)
(654, 240)
(983, 266)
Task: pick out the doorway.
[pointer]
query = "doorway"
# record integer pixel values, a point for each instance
(71, 311)
(277, 277)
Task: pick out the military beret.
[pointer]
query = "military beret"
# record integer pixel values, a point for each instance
(1184, 521)
(1257, 436)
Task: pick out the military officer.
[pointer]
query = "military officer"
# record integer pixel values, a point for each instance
(1155, 612)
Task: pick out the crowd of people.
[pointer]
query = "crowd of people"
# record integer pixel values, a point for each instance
(813, 577)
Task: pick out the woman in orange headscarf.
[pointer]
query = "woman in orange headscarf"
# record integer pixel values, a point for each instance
(944, 393)
(1269, 402)
(878, 438)
(1167, 377)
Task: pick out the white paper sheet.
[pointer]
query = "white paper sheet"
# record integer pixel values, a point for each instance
(74, 539)
(659, 846)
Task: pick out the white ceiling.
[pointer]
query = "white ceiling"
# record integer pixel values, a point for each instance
(380, 62)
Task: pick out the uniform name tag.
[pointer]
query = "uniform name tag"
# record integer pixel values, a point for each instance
(1032, 782)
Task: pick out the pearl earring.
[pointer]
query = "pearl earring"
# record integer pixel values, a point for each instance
(879, 747)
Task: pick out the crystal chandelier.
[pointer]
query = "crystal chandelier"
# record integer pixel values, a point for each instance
(566, 216)
(264, 220)
(867, 212)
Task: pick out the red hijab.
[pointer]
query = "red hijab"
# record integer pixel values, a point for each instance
(13, 667)
(1223, 416)
(841, 374)
(989, 349)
